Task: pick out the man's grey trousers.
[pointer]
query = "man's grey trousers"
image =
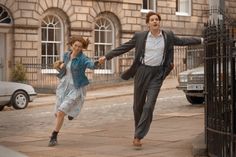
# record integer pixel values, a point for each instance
(147, 84)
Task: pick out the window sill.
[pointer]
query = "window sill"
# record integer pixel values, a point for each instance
(49, 71)
(146, 10)
(182, 14)
(103, 71)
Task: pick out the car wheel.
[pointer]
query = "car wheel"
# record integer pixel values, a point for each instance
(195, 100)
(19, 100)
(1, 108)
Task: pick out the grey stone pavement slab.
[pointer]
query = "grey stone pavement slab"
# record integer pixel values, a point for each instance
(171, 135)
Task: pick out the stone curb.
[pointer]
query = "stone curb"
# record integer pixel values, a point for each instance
(199, 147)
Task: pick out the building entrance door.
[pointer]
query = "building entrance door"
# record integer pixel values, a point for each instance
(2, 56)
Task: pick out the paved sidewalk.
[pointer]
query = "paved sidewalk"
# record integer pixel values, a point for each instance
(171, 135)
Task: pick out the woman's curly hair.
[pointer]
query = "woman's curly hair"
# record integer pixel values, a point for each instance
(73, 39)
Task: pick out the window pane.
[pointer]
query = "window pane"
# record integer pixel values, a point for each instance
(144, 4)
(6, 20)
(101, 50)
(57, 24)
(43, 49)
(49, 49)
(50, 35)
(183, 6)
(58, 35)
(43, 62)
(102, 37)
(96, 51)
(151, 4)
(109, 37)
(57, 49)
(49, 60)
(109, 26)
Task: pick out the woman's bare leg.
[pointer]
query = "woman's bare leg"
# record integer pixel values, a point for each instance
(59, 120)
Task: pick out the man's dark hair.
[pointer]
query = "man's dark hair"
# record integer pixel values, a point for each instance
(152, 13)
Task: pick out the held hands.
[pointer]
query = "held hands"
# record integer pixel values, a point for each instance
(102, 60)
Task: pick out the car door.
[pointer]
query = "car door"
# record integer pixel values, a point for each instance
(4, 97)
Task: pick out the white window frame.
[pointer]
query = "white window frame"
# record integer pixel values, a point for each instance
(149, 8)
(47, 20)
(102, 27)
(180, 10)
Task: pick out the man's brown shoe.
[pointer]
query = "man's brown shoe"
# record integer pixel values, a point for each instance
(137, 142)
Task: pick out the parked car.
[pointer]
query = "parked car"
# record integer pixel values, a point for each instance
(15, 94)
(192, 83)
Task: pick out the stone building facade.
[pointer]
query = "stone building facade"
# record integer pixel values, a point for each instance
(39, 29)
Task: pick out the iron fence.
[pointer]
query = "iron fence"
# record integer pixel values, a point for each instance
(43, 77)
(220, 118)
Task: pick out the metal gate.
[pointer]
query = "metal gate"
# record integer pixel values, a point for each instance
(220, 115)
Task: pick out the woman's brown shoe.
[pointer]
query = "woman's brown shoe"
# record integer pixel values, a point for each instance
(137, 142)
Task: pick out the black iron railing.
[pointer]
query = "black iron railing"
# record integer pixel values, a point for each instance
(220, 118)
(43, 76)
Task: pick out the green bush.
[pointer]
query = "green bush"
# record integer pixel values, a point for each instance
(19, 73)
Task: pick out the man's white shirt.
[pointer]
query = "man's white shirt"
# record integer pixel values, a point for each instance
(154, 49)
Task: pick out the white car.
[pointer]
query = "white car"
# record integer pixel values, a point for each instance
(192, 83)
(15, 94)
